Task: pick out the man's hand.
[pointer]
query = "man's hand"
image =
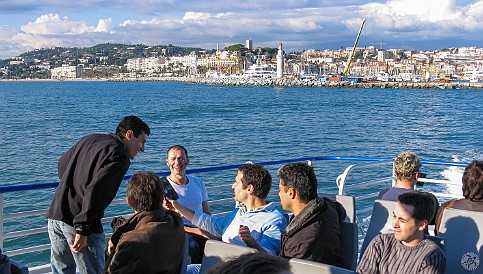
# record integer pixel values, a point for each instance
(79, 244)
(110, 246)
(245, 236)
(168, 204)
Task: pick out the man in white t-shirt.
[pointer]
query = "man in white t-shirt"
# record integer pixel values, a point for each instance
(192, 194)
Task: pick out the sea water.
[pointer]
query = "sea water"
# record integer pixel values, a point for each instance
(222, 125)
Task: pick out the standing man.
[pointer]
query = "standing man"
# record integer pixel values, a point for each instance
(314, 230)
(192, 194)
(152, 240)
(406, 250)
(90, 174)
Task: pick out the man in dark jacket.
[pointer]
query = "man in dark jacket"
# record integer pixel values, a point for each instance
(90, 174)
(152, 240)
(314, 229)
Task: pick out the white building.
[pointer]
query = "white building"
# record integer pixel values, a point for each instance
(67, 72)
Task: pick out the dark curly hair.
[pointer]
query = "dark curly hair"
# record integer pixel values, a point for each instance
(473, 181)
(257, 176)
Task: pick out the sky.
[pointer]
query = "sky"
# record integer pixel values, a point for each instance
(299, 25)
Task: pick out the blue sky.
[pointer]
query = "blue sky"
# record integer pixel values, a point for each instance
(299, 24)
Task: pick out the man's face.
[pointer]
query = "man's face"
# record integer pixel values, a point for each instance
(284, 196)
(406, 229)
(240, 192)
(177, 162)
(133, 144)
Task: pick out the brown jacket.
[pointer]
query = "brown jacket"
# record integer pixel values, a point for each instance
(149, 242)
(314, 234)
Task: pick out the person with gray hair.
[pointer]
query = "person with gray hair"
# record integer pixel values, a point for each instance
(407, 170)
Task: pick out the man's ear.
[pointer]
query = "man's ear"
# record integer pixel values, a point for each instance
(422, 225)
(292, 193)
(129, 134)
(250, 189)
(128, 202)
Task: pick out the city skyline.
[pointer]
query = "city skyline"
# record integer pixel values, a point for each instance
(299, 25)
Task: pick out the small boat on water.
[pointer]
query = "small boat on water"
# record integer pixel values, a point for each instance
(360, 181)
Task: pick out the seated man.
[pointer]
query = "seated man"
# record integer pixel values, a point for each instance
(406, 250)
(406, 170)
(152, 240)
(314, 232)
(256, 223)
(192, 194)
(472, 191)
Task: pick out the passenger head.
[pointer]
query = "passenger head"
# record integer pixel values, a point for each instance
(412, 213)
(256, 176)
(177, 160)
(133, 123)
(134, 134)
(301, 177)
(423, 203)
(144, 191)
(253, 263)
(473, 181)
(406, 165)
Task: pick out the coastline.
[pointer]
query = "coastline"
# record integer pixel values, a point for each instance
(240, 81)
(273, 82)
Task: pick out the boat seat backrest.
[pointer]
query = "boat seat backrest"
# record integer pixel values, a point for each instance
(348, 202)
(300, 266)
(217, 251)
(381, 221)
(462, 231)
(350, 244)
(18, 268)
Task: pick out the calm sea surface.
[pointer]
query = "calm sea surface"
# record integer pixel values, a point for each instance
(226, 125)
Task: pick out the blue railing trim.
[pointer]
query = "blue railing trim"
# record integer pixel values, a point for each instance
(12, 188)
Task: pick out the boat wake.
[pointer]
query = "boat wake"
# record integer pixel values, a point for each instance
(454, 173)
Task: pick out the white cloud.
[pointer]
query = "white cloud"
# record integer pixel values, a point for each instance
(199, 18)
(104, 25)
(298, 24)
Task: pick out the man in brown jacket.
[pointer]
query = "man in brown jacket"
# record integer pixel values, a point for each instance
(152, 240)
(314, 229)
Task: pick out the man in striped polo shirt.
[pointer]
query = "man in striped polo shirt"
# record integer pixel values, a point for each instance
(407, 250)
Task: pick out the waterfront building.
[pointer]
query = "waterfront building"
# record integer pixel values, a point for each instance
(67, 72)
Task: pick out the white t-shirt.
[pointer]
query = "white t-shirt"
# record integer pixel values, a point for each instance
(191, 195)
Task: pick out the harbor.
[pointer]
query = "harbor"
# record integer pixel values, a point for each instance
(315, 83)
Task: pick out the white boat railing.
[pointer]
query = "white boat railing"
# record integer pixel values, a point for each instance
(352, 181)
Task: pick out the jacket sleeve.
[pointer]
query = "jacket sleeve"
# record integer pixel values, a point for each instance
(101, 190)
(126, 259)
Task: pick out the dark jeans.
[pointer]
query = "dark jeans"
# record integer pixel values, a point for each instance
(197, 246)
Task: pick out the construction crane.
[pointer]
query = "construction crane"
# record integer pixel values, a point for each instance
(351, 56)
(379, 43)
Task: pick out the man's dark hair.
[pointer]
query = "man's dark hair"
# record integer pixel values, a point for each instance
(145, 191)
(178, 147)
(423, 203)
(258, 177)
(301, 177)
(252, 263)
(133, 123)
(473, 181)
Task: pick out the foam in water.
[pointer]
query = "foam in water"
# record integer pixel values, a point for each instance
(454, 174)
